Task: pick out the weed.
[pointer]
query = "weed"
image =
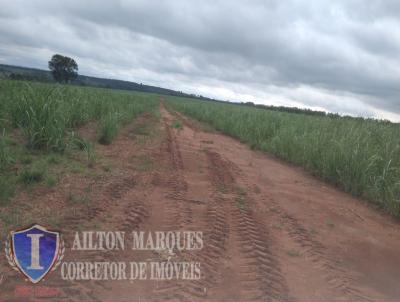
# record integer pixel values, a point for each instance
(330, 224)
(31, 175)
(222, 188)
(7, 189)
(51, 181)
(78, 199)
(54, 159)
(241, 202)
(84, 145)
(293, 253)
(278, 226)
(76, 167)
(141, 129)
(257, 189)
(143, 163)
(108, 129)
(26, 159)
(106, 168)
(240, 191)
(12, 218)
(274, 210)
(177, 124)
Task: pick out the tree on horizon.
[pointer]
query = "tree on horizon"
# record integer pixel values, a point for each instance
(64, 69)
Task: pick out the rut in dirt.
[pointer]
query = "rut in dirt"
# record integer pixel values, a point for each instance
(260, 274)
(225, 227)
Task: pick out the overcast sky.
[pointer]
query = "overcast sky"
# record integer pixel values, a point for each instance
(340, 56)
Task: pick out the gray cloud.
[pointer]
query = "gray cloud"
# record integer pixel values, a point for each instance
(341, 56)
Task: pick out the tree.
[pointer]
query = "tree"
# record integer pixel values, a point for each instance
(63, 69)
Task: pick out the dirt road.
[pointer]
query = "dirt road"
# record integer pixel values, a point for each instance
(271, 231)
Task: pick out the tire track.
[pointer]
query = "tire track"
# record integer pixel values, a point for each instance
(261, 275)
(212, 222)
(176, 215)
(336, 276)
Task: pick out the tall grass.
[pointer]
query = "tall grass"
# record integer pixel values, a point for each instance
(38, 112)
(38, 119)
(109, 127)
(361, 156)
(46, 112)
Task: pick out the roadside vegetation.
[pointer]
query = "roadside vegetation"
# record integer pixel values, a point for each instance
(362, 156)
(39, 126)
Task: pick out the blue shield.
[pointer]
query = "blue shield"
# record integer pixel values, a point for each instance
(35, 251)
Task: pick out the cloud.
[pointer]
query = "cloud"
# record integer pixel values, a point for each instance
(341, 56)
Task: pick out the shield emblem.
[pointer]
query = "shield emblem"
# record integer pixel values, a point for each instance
(35, 251)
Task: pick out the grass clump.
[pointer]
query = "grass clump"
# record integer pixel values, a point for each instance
(86, 146)
(40, 116)
(240, 198)
(293, 253)
(54, 159)
(51, 181)
(7, 189)
(31, 175)
(109, 128)
(177, 124)
(26, 159)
